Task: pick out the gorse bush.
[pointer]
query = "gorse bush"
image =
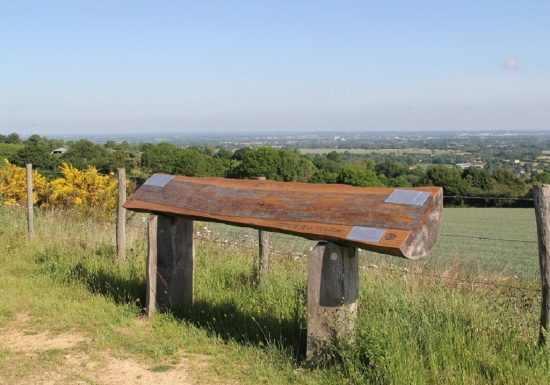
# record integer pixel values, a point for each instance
(13, 185)
(85, 191)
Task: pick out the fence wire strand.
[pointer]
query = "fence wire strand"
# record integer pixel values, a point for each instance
(488, 238)
(488, 198)
(297, 255)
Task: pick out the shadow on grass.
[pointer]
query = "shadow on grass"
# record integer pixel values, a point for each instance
(224, 320)
(108, 282)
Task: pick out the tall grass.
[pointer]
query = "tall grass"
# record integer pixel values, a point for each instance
(410, 329)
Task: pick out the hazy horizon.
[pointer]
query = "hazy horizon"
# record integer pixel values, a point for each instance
(185, 67)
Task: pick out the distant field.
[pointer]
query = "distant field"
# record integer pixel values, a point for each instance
(400, 151)
(455, 249)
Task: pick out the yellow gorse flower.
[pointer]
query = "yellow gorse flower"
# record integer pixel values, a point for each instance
(13, 185)
(84, 190)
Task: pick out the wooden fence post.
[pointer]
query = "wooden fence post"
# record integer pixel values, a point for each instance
(332, 291)
(30, 202)
(263, 243)
(263, 248)
(121, 215)
(542, 212)
(170, 262)
(151, 274)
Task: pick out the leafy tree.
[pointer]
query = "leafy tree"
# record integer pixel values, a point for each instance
(161, 157)
(240, 153)
(391, 169)
(208, 150)
(12, 138)
(333, 156)
(479, 178)
(224, 153)
(324, 163)
(274, 164)
(7, 150)
(294, 167)
(543, 177)
(37, 152)
(449, 178)
(405, 180)
(324, 176)
(190, 162)
(84, 153)
(507, 183)
(257, 162)
(358, 175)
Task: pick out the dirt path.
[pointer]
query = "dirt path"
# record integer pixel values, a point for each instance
(44, 358)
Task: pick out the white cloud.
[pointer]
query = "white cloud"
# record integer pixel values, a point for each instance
(511, 64)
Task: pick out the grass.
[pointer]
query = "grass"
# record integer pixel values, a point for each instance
(410, 329)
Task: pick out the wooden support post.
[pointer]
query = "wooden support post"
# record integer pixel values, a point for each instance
(542, 212)
(170, 262)
(30, 202)
(263, 246)
(332, 291)
(263, 242)
(121, 215)
(151, 274)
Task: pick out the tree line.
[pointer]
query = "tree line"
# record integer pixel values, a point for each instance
(288, 165)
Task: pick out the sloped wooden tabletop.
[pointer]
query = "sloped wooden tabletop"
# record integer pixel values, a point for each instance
(397, 221)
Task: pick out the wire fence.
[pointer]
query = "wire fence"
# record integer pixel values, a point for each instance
(488, 238)
(246, 239)
(242, 240)
(296, 255)
(489, 198)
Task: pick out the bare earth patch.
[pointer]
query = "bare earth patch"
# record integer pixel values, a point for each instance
(48, 359)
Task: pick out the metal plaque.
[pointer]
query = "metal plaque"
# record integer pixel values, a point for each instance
(365, 234)
(158, 180)
(408, 197)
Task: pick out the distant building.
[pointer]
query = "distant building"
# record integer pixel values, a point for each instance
(518, 171)
(59, 151)
(463, 166)
(466, 166)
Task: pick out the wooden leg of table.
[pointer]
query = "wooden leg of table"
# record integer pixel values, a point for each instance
(170, 262)
(332, 291)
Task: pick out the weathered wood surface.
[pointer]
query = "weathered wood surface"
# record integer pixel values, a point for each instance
(542, 211)
(30, 201)
(170, 262)
(263, 246)
(121, 215)
(332, 291)
(151, 273)
(353, 216)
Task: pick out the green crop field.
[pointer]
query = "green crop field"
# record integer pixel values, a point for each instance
(511, 251)
(71, 313)
(401, 151)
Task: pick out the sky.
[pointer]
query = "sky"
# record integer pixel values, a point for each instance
(125, 66)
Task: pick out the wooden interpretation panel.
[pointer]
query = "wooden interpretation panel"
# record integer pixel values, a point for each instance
(396, 221)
